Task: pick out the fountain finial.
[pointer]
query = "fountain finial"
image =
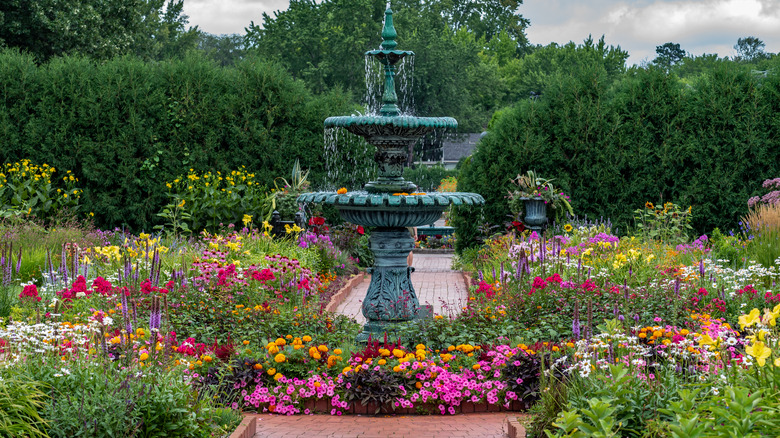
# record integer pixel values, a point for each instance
(388, 31)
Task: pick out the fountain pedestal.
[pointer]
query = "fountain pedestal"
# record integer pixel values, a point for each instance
(390, 297)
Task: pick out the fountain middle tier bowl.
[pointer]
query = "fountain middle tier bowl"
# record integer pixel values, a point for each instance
(391, 210)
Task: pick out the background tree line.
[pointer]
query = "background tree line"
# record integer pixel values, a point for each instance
(128, 88)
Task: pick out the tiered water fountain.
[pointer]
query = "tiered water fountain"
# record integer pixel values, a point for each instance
(390, 203)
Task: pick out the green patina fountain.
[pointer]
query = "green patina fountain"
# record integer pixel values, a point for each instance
(389, 204)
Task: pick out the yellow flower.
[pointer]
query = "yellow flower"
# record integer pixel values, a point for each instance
(144, 356)
(567, 228)
(749, 319)
(279, 358)
(307, 338)
(181, 204)
(707, 340)
(246, 220)
(760, 351)
(342, 191)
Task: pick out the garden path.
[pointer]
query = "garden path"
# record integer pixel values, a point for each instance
(434, 281)
(483, 425)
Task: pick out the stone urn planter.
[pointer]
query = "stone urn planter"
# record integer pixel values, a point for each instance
(535, 213)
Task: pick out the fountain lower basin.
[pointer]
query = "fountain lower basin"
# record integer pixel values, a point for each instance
(391, 210)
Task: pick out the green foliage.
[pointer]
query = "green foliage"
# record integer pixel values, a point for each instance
(613, 140)
(125, 127)
(594, 421)
(99, 400)
(20, 403)
(428, 178)
(211, 200)
(670, 225)
(27, 188)
(739, 411)
(726, 247)
(456, 42)
(100, 29)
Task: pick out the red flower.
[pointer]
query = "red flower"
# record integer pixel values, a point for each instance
(30, 292)
(539, 283)
(360, 230)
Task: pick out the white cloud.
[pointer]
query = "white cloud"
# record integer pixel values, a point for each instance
(229, 16)
(699, 26)
(638, 26)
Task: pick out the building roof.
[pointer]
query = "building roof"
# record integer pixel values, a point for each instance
(457, 146)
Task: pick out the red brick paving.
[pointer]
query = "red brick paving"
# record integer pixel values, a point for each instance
(485, 425)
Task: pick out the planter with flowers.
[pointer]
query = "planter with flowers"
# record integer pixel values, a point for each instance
(535, 196)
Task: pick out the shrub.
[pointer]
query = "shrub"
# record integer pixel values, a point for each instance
(126, 126)
(645, 136)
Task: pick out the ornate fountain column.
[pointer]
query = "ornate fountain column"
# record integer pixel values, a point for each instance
(388, 204)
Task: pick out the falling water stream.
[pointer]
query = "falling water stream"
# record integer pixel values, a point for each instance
(349, 158)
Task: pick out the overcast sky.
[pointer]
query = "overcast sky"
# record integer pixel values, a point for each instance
(638, 26)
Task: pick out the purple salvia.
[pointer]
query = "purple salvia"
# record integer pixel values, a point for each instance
(128, 269)
(135, 313)
(64, 265)
(502, 273)
(701, 268)
(19, 261)
(575, 321)
(155, 274)
(677, 287)
(494, 274)
(479, 273)
(125, 312)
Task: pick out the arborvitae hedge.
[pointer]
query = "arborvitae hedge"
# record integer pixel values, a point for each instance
(125, 127)
(647, 136)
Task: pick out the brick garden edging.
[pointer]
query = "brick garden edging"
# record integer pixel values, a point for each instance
(433, 251)
(343, 293)
(514, 429)
(247, 428)
(323, 406)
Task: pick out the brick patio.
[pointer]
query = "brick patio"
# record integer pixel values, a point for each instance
(486, 425)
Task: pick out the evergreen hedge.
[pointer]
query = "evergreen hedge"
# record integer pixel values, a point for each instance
(125, 126)
(613, 144)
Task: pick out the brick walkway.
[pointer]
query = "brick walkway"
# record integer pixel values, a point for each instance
(434, 282)
(487, 425)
